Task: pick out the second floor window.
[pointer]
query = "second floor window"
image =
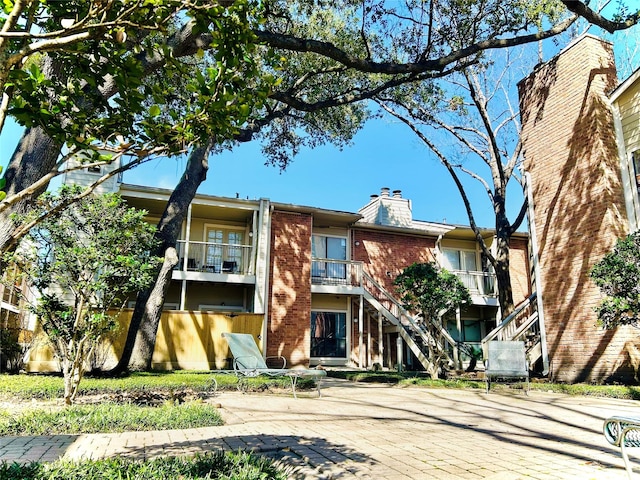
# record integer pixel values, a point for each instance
(222, 254)
(464, 260)
(333, 248)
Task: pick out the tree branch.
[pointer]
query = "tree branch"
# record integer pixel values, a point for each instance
(593, 17)
(329, 50)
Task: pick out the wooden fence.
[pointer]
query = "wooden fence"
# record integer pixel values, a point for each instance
(187, 340)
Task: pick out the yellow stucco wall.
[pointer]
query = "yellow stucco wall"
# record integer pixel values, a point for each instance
(185, 340)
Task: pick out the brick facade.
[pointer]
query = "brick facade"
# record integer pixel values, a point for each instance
(383, 252)
(571, 155)
(288, 327)
(519, 267)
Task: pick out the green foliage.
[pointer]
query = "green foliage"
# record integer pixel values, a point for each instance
(618, 276)
(11, 352)
(108, 417)
(221, 465)
(430, 290)
(3, 184)
(85, 260)
(69, 92)
(29, 387)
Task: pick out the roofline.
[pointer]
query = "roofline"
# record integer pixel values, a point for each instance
(353, 217)
(205, 198)
(622, 88)
(431, 228)
(414, 231)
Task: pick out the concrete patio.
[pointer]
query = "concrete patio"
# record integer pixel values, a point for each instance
(383, 432)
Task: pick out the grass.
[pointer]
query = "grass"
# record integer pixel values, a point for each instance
(29, 387)
(108, 417)
(228, 466)
(419, 379)
(126, 402)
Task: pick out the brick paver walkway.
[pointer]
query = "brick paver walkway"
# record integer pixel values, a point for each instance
(382, 432)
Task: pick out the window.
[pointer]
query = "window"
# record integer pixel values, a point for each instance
(329, 334)
(460, 260)
(222, 254)
(334, 248)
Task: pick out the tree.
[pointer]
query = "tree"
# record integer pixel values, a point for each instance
(83, 269)
(315, 96)
(333, 68)
(618, 276)
(96, 94)
(470, 125)
(433, 292)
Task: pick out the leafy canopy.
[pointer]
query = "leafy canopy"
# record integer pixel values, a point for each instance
(430, 290)
(95, 86)
(618, 276)
(85, 260)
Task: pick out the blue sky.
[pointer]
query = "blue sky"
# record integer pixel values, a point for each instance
(384, 154)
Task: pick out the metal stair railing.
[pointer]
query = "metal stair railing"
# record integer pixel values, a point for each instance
(393, 310)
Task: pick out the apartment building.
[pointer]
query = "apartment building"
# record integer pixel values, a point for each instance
(323, 279)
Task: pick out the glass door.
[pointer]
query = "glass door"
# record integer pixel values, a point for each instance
(329, 334)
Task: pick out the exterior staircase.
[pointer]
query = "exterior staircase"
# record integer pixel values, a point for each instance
(411, 330)
(522, 324)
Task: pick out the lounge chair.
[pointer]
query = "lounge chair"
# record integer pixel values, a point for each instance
(248, 362)
(623, 432)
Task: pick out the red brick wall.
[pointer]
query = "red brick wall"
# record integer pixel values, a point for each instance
(290, 288)
(519, 268)
(570, 152)
(384, 252)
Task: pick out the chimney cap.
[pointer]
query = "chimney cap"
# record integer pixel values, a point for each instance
(397, 193)
(384, 191)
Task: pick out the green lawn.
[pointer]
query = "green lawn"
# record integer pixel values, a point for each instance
(236, 466)
(37, 386)
(419, 379)
(108, 417)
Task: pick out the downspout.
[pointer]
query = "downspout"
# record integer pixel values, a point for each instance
(536, 274)
(266, 217)
(438, 248)
(185, 263)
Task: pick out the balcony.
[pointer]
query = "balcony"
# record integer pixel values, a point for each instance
(478, 283)
(328, 271)
(223, 258)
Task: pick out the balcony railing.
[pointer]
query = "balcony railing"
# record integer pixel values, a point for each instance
(478, 283)
(214, 257)
(328, 271)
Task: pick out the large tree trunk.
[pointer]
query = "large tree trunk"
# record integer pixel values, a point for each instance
(503, 275)
(34, 157)
(141, 336)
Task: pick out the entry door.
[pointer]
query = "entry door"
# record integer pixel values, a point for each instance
(222, 254)
(328, 334)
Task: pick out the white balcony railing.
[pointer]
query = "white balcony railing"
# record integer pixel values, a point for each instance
(478, 283)
(328, 271)
(214, 257)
